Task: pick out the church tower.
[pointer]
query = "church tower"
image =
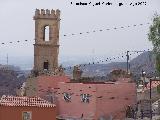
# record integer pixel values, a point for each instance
(46, 47)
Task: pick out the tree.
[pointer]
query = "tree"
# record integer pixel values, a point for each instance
(154, 37)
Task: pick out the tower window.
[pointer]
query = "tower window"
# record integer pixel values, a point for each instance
(45, 65)
(46, 33)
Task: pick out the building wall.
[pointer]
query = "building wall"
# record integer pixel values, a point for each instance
(38, 113)
(113, 99)
(76, 108)
(31, 87)
(45, 53)
(105, 100)
(42, 85)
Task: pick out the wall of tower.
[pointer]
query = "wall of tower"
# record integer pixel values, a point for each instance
(46, 50)
(46, 53)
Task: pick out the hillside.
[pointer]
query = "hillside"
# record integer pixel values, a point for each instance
(144, 61)
(10, 80)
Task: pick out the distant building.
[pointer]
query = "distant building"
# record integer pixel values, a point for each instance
(95, 100)
(26, 108)
(143, 95)
(143, 91)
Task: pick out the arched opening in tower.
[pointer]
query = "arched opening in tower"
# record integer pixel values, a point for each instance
(45, 65)
(46, 33)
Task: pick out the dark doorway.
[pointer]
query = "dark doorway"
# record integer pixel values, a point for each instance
(45, 66)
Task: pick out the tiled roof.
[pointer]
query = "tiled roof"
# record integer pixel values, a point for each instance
(24, 101)
(153, 85)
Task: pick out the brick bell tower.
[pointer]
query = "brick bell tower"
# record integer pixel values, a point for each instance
(46, 47)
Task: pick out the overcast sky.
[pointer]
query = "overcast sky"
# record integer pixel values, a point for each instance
(16, 23)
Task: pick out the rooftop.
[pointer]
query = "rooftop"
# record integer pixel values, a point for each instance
(24, 101)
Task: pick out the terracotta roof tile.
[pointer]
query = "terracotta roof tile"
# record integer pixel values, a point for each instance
(153, 85)
(24, 101)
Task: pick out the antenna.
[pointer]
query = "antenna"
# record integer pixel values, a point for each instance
(7, 58)
(127, 61)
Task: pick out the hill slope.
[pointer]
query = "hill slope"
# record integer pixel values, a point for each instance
(144, 61)
(9, 81)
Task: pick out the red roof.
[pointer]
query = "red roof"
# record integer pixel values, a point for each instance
(24, 101)
(153, 85)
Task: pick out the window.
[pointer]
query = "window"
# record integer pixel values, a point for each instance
(45, 65)
(67, 97)
(27, 115)
(46, 33)
(85, 98)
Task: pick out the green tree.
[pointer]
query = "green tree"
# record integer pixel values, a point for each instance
(154, 37)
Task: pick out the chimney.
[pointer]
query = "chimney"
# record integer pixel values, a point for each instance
(77, 73)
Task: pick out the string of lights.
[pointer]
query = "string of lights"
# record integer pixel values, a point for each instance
(108, 59)
(81, 33)
(13, 42)
(107, 29)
